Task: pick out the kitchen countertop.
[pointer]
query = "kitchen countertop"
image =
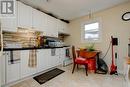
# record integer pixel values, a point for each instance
(30, 48)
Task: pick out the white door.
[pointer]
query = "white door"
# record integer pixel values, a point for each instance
(57, 56)
(44, 21)
(49, 59)
(24, 16)
(43, 59)
(2, 68)
(37, 20)
(25, 69)
(1, 56)
(54, 28)
(54, 57)
(62, 55)
(0, 71)
(10, 23)
(66, 28)
(60, 26)
(12, 70)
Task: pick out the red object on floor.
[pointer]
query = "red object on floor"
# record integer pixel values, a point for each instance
(90, 56)
(92, 65)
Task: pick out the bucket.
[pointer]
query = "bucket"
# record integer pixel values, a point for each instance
(92, 65)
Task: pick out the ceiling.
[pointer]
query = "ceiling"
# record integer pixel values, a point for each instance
(71, 9)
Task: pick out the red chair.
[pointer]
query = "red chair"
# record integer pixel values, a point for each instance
(78, 61)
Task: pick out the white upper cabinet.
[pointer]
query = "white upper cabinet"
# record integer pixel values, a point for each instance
(51, 27)
(62, 27)
(37, 20)
(31, 18)
(66, 29)
(24, 16)
(45, 23)
(10, 23)
(44, 17)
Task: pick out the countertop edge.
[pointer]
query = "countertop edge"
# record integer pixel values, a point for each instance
(30, 48)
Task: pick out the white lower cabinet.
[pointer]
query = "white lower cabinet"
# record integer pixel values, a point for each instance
(61, 55)
(54, 61)
(43, 59)
(25, 69)
(57, 59)
(12, 71)
(2, 69)
(46, 59)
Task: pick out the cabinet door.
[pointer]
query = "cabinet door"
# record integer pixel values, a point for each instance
(44, 21)
(49, 26)
(24, 16)
(43, 59)
(37, 20)
(66, 28)
(54, 58)
(9, 24)
(25, 69)
(54, 28)
(62, 55)
(12, 70)
(49, 59)
(2, 69)
(57, 57)
(60, 26)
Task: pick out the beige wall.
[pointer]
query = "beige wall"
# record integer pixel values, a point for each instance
(112, 24)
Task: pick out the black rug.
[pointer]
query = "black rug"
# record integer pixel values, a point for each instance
(48, 75)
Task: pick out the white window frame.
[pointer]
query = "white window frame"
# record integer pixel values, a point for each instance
(83, 40)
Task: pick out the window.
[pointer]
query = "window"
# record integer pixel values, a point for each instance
(91, 31)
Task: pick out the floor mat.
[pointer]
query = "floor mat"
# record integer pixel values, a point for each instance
(48, 75)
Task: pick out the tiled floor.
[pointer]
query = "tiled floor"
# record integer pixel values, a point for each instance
(78, 79)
